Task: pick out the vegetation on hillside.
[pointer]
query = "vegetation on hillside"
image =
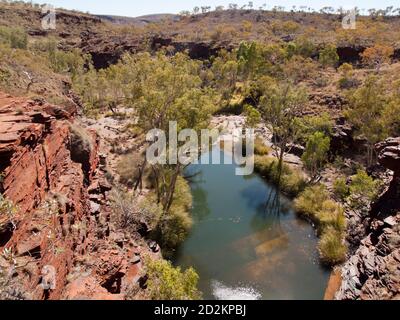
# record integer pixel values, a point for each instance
(273, 70)
(169, 283)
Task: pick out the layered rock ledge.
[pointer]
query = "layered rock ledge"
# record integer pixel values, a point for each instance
(60, 233)
(373, 271)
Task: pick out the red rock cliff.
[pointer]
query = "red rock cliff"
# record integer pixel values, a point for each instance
(59, 233)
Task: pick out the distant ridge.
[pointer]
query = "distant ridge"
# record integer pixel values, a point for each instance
(140, 21)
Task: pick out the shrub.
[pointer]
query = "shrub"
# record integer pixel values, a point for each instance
(341, 189)
(173, 229)
(7, 212)
(131, 215)
(316, 152)
(377, 55)
(128, 169)
(292, 182)
(72, 61)
(260, 148)
(310, 200)
(168, 283)
(363, 190)
(308, 125)
(329, 57)
(174, 226)
(331, 247)
(81, 146)
(331, 214)
(347, 83)
(16, 38)
(253, 116)
(315, 203)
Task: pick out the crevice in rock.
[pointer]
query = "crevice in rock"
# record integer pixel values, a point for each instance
(35, 253)
(6, 234)
(113, 284)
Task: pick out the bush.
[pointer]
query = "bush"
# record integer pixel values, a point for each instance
(73, 61)
(331, 247)
(134, 216)
(260, 149)
(316, 152)
(292, 182)
(175, 225)
(168, 283)
(308, 125)
(329, 216)
(253, 116)
(310, 200)
(341, 189)
(128, 169)
(328, 57)
(363, 190)
(348, 83)
(7, 212)
(16, 38)
(81, 147)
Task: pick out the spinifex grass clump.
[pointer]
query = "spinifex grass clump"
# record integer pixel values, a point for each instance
(291, 183)
(328, 215)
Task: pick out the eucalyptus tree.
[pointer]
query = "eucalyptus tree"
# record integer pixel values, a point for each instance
(162, 90)
(280, 106)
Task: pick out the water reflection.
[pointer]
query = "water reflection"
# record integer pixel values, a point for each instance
(246, 235)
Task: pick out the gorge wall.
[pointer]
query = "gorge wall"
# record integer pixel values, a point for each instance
(373, 271)
(59, 243)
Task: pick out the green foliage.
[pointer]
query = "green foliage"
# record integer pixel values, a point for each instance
(16, 38)
(367, 105)
(260, 149)
(7, 211)
(341, 189)
(279, 108)
(308, 125)
(248, 56)
(298, 69)
(347, 80)
(72, 62)
(304, 47)
(224, 74)
(175, 225)
(328, 56)
(332, 248)
(310, 200)
(292, 182)
(168, 283)
(316, 152)
(363, 190)
(329, 216)
(253, 116)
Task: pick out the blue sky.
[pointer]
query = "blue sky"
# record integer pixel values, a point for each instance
(137, 8)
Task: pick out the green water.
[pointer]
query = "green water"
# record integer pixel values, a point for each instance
(246, 242)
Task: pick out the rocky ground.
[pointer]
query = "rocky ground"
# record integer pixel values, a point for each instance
(372, 272)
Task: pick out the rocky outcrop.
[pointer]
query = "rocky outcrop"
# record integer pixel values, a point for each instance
(108, 50)
(373, 271)
(59, 242)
